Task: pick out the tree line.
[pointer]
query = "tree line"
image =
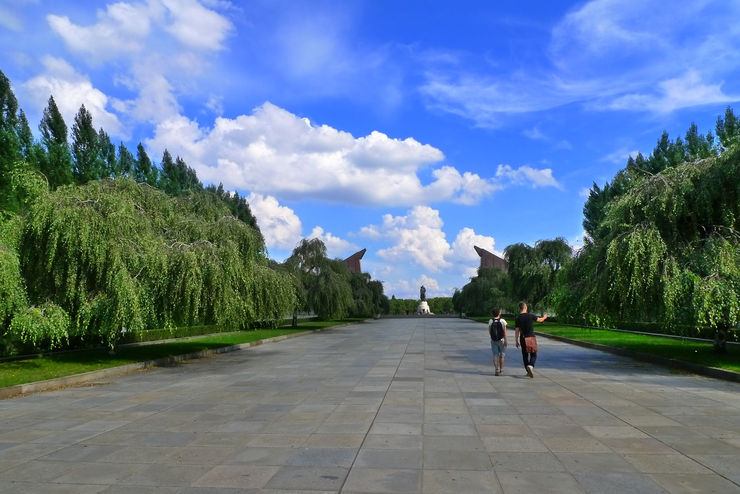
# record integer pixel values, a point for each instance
(661, 247)
(409, 306)
(96, 242)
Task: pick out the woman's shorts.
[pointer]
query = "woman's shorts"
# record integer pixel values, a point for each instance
(498, 347)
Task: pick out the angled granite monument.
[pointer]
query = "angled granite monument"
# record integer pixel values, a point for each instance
(353, 261)
(491, 260)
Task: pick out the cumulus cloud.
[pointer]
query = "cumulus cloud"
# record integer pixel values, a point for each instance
(463, 247)
(121, 28)
(273, 151)
(196, 26)
(280, 226)
(152, 44)
(418, 237)
(71, 90)
(335, 246)
(526, 175)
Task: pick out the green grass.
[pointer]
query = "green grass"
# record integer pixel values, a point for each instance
(15, 372)
(678, 349)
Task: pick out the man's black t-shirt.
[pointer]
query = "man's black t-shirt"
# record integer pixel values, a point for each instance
(525, 323)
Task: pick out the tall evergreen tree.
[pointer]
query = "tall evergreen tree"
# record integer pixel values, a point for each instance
(126, 161)
(167, 177)
(177, 177)
(144, 171)
(56, 162)
(188, 177)
(107, 155)
(25, 136)
(8, 105)
(10, 145)
(85, 148)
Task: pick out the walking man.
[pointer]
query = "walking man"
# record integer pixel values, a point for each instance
(525, 328)
(499, 340)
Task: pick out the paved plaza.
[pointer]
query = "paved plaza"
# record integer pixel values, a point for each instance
(386, 406)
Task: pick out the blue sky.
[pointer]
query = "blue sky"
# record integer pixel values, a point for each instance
(413, 129)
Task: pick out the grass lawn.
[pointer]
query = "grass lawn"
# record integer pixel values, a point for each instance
(65, 364)
(686, 350)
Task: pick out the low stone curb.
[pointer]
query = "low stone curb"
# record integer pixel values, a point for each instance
(653, 359)
(95, 376)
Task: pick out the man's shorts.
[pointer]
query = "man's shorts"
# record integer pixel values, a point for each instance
(498, 347)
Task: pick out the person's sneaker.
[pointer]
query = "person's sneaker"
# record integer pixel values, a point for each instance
(530, 371)
(496, 373)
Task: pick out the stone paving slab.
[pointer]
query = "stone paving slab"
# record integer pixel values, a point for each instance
(386, 406)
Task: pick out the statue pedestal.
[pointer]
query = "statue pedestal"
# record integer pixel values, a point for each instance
(423, 308)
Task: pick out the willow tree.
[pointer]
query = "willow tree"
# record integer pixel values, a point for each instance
(533, 269)
(119, 256)
(668, 251)
(491, 288)
(323, 284)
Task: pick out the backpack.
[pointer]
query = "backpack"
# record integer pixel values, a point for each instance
(497, 330)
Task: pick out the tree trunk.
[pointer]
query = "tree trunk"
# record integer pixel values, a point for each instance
(720, 340)
(294, 323)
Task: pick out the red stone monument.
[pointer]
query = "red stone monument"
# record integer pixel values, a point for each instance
(491, 260)
(353, 261)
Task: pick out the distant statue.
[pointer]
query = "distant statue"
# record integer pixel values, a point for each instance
(422, 293)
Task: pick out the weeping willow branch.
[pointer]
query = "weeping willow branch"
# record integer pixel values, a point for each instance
(115, 254)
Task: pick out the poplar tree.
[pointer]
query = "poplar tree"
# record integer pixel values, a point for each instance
(25, 137)
(144, 171)
(126, 161)
(107, 159)
(10, 144)
(85, 148)
(56, 162)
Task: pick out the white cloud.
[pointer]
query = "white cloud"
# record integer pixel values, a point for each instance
(680, 92)
(418, 237)
(488, 100)
(155, 101)
(463, 247)
(620, 156)
(121, 29)
(159, 47)
(71, 90)
(280, 226)
(335, 246)
(215, 104)
(273, 151)
(195, 26)
(526, 175)
(605, 55)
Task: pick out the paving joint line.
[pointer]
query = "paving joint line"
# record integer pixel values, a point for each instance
(639, 429)
(364, 439)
